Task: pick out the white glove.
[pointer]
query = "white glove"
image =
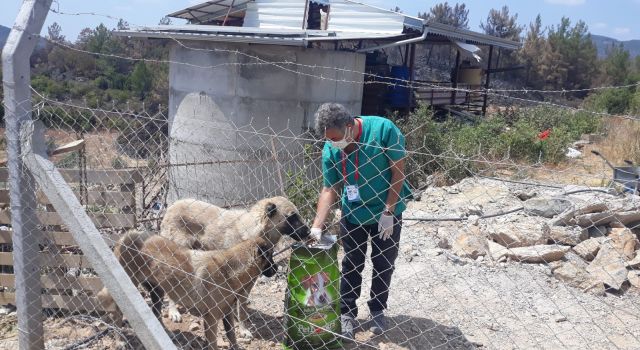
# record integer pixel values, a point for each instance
(316, 234)
(385, 226)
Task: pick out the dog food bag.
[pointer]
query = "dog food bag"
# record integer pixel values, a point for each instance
(312, 303)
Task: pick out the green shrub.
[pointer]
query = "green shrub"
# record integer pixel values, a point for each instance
(302, 188)
(613, 101)
(118, 163)
(69, 161)
(634, 107)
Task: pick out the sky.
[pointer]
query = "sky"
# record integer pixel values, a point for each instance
(614, 18)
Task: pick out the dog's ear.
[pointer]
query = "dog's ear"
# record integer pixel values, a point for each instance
(271, 210)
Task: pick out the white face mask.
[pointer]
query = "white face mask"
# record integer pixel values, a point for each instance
(346, 140)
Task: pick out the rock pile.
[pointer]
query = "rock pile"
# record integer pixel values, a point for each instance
(589, 240)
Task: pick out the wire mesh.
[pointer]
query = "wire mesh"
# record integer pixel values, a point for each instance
(495, 251)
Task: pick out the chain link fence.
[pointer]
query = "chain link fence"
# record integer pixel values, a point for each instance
(520, 243)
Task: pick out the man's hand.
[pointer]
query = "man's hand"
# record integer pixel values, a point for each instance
(316, 234)
(385, 226)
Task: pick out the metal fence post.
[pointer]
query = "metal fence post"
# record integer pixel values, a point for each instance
(17, 94)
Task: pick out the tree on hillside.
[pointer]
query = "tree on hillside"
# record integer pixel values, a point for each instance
(503, 25)
(531, 54)
(141, 79)
(577, 53)
(457, 16)
(165, 21)
(122, 24)
(54, 33)
(616, 66)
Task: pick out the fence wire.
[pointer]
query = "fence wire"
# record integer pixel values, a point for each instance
(211, 221)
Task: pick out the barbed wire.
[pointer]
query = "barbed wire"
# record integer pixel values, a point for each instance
(396, 81)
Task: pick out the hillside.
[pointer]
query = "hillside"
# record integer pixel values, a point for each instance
(604, 42)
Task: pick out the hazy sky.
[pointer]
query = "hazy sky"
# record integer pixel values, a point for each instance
(615, 18)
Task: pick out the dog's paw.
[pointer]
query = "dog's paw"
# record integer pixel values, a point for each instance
(175, 316)
(245, 333)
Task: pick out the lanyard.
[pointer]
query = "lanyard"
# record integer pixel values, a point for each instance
(344, 158)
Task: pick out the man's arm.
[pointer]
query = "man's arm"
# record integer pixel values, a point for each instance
(397, 181)
(328, 197)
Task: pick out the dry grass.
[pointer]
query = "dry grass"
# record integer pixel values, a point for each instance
(622, 141)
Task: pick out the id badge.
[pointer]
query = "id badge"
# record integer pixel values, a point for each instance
(353, 193)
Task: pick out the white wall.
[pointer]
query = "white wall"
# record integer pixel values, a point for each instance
(215, 95)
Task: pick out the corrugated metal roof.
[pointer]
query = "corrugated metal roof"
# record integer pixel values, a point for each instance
(344, 15)
(211, 10)
(287, 14)
(291, 37)
(348, 20)
(470, 37)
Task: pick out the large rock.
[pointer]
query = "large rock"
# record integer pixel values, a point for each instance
(497, 251)
(538, 253)
(469, 245)
(608, 266)
(567, 235)
(624, 242)
(633, 263)
(634, 278)
(589, 248)
(573, 273)
(523, 234)
(547, 207)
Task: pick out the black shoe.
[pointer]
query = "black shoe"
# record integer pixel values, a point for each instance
(378, 323)
(348, 328)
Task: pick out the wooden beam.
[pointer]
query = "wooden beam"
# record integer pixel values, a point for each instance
(103, 177)
(71, 303)
(69, 147)
(487, 80)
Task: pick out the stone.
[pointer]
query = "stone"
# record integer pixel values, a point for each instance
(547, 207)
(572, 273)
(589, 248)
(567, 235)
(468, 245)
(595, 288)
(633, 263)
(624, 242)
(524, 234)
(560, 319)
(538, 253)
(598, 231)
(634, 278)
(496, 251)
(525, 195)
(608, 267)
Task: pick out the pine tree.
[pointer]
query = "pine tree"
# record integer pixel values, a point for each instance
(457, 16)
(531, 54)
(616, 66)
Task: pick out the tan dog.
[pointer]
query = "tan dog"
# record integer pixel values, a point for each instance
(199, 225)
(207, 283)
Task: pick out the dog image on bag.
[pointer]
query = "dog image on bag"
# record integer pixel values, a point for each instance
(207, 283)
(196, 224)
(315, 286)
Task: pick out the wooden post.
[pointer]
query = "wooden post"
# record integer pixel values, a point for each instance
(487, 81)
(412, 65)
(454, 82)
(26, 236)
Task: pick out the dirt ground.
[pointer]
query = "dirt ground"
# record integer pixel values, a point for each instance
(438, 300)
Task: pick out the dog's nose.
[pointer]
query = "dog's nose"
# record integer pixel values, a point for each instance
(302, 232)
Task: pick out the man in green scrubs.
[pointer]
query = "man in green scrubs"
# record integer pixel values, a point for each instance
(363, 159)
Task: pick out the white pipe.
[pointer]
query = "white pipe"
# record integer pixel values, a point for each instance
(398, 43)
